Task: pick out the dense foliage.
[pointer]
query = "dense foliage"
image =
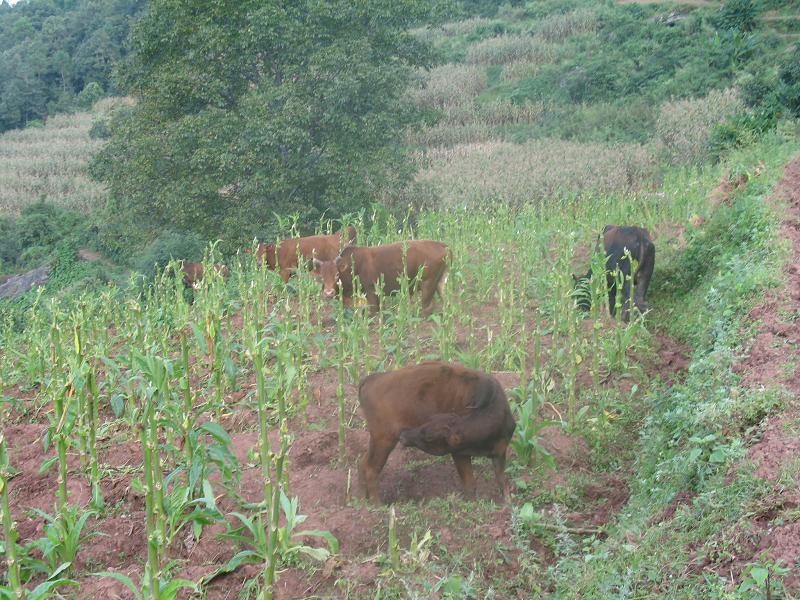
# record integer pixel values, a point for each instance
(57, 56)
(246, 109)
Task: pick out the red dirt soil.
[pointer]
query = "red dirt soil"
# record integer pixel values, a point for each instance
(773, 360)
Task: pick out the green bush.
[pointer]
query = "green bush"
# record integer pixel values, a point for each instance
(91, 93)
(43, 224)
(168, 246)
(737, 14)
(789, 75)
(99, 130)
(741, 130)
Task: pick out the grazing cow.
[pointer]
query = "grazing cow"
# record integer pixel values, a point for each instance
(193, 272)
(322, 247)
(440, 408)
(369, 264)
(637, 241)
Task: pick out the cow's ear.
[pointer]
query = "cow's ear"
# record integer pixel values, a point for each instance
(341, 264)
(317, 264)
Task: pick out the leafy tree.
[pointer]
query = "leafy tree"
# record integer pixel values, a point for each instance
(247, 108)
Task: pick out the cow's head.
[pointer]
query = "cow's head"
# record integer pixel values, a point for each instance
(328, 272)
(335, 274)
(440, 435)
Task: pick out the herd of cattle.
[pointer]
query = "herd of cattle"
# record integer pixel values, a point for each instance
(440, 408)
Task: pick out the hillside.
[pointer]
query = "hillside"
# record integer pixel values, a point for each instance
(156, 436)
(50, 163)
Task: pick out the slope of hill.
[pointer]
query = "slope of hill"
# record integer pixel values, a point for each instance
(652, 459)
(49, 164)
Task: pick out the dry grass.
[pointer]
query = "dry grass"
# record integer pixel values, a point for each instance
(520, 70)
(557, 28)
(523, 173)
(451, 85)
(49, 163)
(469, 123)
(452, 29)
(515, 48)
(683, 127)
(446, 134)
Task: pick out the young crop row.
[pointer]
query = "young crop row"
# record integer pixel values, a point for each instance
(163, 365)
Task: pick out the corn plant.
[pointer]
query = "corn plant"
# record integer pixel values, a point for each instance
(525, 443)
(63, 537)
(10, 534)
(252, 534)
(164, 589)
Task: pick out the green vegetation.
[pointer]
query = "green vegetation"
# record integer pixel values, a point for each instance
(231, 129)
(235, 403)
(57, 56)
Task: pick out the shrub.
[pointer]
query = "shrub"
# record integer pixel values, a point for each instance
(741, 130)
(43, 224)
(789, 76)
(99, 130)
(168, 246)
(90, 94)
(683, 127)
(737, 14)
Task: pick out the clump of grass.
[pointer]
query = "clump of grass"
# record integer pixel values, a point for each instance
(451, 85)
(683, 127)
(512, 48)
(556, 28)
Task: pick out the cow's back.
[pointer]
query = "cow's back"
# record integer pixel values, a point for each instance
(393, 260)
(617, 238)
(323, 247)
(410, 396)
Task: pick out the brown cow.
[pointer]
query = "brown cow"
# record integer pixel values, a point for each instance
(440, 408)
(369, 264)
(193, 272)
(637, 241)
(323, 247)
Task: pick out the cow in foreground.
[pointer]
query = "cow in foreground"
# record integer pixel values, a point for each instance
(440, 408)
(321, 247)
(193, 272)
(391, 262)
(638, 243)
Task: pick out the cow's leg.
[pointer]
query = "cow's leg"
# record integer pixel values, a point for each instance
(285, 274)
(611, 283)
(464, 468)
(499, 463)
(430, 287)
(442, 283)
(643, 276)
(374, 301)
(373, 463)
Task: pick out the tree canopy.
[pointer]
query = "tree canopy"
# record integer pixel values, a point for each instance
(246, 108)
(50, 51)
